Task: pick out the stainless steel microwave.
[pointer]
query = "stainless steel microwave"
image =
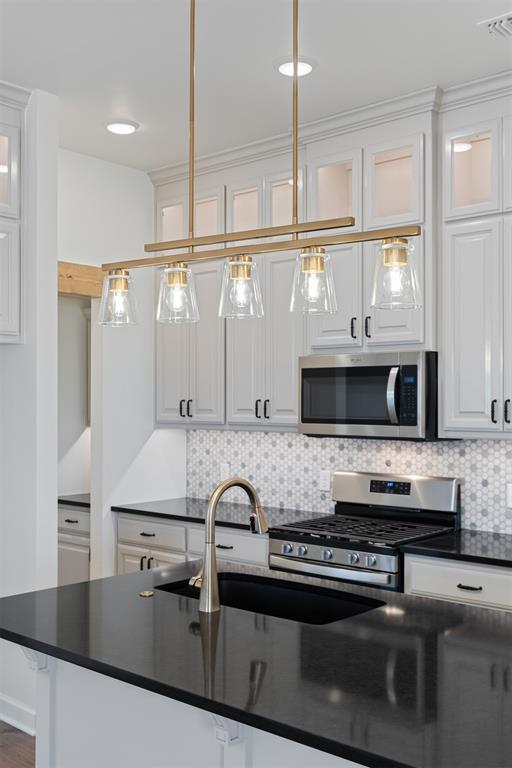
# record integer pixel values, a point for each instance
(390, 395)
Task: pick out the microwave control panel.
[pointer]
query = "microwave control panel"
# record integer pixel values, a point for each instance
(409, 395)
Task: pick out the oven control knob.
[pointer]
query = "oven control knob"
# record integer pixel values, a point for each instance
(327, 554)
(287, 549)
(302, 550)
(353, 558)
(370, 560)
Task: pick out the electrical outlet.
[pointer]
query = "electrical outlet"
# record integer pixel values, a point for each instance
(509, 495)
(324, 480)
(225, 470)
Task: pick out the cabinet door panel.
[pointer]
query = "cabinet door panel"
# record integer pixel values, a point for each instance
(130, 559)
(73, 563)
(9, 279)
(207, 348)
(9, 170)
(392, 326)
(472, 329)
(507, 162)
(157, 559)
(343, 328)
(334, 187)
(507, 319)
(284, 340)
(172, 374)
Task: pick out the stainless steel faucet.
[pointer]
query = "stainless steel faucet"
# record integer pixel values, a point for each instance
(207, 579)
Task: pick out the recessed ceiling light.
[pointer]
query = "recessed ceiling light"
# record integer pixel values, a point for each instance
(462, 146)
(122, 127)
(4, 168)
(303, 68)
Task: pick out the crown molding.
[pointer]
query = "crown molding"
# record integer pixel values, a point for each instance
(477, 91)
(13, 96)
(423, 101)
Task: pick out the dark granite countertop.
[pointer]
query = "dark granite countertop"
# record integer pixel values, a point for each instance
(469, 545)
(231, 514)
(404, 684)
(76, 500)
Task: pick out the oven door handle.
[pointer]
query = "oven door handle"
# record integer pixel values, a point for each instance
(391, 394)
(333, 571)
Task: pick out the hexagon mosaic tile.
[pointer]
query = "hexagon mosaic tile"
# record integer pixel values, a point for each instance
(285, 468)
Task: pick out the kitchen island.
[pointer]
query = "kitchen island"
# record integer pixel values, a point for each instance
(126, 680)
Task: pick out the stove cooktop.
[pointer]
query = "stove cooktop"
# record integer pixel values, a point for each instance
(365, 530)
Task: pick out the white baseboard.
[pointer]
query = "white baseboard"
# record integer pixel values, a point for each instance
(17, 714)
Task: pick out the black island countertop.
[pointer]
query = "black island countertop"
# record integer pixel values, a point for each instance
(403, 684)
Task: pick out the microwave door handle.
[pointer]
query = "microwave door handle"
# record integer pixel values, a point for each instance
(391, 394)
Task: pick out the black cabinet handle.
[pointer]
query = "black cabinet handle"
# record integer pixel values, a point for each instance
(189, 413)
(257, 409)
(493, 411)
(69, 520)
(149, 563)
(265, 409)
(223, 546)
(367, 326)
(144, 557)
(148, 535)
(353, 327)
(506, 412)
(468, 588)
(182, 403)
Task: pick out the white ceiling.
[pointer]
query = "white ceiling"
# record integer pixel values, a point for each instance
(117, 58)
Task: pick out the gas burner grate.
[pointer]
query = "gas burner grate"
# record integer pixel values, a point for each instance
(368, 530)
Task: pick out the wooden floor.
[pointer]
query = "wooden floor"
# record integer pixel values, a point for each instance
(17, 750)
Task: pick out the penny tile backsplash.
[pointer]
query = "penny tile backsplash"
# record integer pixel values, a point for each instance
(285, 468)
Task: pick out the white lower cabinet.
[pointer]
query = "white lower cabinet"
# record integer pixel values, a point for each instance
(463, 582)
(242, 546)
(10, 280)
(73, 560)
(131, 559)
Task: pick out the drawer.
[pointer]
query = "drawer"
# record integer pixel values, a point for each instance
(245, 547)
(151, 533)
(485, 585)
(74, 520)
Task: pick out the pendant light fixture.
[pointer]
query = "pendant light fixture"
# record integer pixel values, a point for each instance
(118, 306)
(241, 294)
(395, 284)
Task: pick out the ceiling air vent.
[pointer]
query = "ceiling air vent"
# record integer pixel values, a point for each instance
(500, 26)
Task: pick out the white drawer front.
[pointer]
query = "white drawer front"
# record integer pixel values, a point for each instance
(246, 547)
(485, 585)
(150, 533)
(74, 520)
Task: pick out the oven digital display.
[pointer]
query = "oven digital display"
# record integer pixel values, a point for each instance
(390, 486)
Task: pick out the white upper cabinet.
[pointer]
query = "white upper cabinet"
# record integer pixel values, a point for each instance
(244, 206)
(172, 221)
(472, 327)
(472, 170)
(394, 182)
(344, 327)
(9, 169)
(507, 319)
(334, 187)
(391, 326)
(507, 162)
(9, 279)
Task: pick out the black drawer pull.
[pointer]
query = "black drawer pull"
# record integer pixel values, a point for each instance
(182, 403)
(506, 412)
(353, 327)
(468, 588)
(69, 520)
(149, 563)
(142, 562)
(493, 411)
(367, 326)
(257, 409)
(143, 533)
(223, 546)
(265, 409)
(189, 412)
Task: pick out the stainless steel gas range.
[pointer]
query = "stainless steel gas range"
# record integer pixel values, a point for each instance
(374, 515)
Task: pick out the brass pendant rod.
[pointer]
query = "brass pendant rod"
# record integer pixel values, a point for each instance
(317, 241)
(191, 118)
(295, 117)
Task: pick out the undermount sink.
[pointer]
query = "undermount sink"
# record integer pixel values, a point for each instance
(282, 599)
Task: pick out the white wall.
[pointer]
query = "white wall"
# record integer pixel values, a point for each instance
(74, 430)
(28, 407)
(106, 213)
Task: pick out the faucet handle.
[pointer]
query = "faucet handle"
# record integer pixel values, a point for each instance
(257, 522)
(197, 580)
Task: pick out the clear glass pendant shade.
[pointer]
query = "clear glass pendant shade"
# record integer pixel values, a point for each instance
(118, 305)
(313, 286)
(241, 293)
(395, 284)
(177, 295)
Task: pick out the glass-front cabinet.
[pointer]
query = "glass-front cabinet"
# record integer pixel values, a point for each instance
(393, 178)
(471, 170)
(9, 170)
(334, 187)
(507, 163)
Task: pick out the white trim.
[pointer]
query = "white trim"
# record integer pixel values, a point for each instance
(477, 91)
(14, 96)
(17, 714)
